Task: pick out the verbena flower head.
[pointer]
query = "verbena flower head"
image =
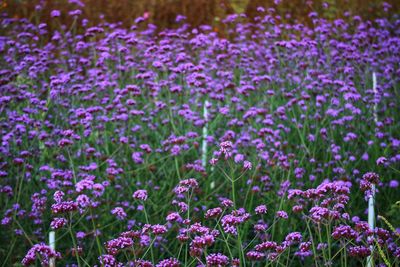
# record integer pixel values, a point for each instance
(282, 214)
(371, 177)
(115, 245)
(140, 194)
(58, 223)
(262, 209)
(119, 213)
(42, 250)
(217, 259)
(55, 13)
(171, 262)
(226, 148)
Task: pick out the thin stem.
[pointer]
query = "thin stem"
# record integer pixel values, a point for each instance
(147, 221)
(95, 233)
(73, 240)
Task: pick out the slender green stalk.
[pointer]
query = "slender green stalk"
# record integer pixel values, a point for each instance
(148, 222)
(74, 241)
(99, 249)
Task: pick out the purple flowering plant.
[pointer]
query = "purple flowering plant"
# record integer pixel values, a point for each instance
(258, 146)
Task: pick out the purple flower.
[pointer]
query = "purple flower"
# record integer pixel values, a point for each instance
(226, 148)
(203, 241)
(230, 221)
(213, 161)
(359, 251)
(171, 262)
(255, 255)
(83, 201)
(109, 260)
(143, 263)
(239, 158)
(75, 13)
(344, 231)
(282, 214)
(57, 223)
(262, 209)
(293, 238)
(42, 250)
(212, 213)
(80, 235)
(140, 195)
(217, 259)
(267, 245)
(119, 213)
(381, 161)
(247, 165)
(63, 207)
(58, 196)
(55, 13)
(174, 216)
(137, 157)
(158, 229)
(394, 184)
(115, 245)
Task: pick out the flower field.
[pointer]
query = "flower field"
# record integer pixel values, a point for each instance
(141, 146)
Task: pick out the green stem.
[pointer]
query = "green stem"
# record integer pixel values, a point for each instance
(147, 221)
(73, 240)
(95, 233)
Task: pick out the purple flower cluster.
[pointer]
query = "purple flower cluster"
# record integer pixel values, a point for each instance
(140, 195)
(231, 221)
(42, 252)
(368, 180)
(217, 259)
(57, 223)
(115, 245)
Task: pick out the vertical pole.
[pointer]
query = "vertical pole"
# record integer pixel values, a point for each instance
(205, 133)
(371, 199)
(52, 243)
(375, 94)
(204, 142)
(371, 222)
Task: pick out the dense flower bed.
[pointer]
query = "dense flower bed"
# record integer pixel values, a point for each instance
(181, 148)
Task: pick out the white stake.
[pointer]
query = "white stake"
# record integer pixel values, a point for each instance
(205, 133)
(52, 243)
(371, 199)
(375, 94)
(204, 142)
(371, 222)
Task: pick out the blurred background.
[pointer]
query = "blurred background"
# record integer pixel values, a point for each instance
(198, 12)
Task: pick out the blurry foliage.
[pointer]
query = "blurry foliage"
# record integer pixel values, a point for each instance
(198, 12)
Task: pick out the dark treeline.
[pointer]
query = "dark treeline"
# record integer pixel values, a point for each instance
(198, 12)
